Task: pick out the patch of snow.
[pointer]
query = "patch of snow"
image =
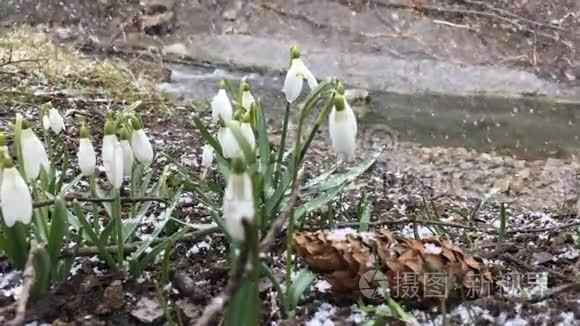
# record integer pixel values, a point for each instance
(322, 286)
(568, 319)
(568, 252)
(340, 234)
(433, 249)
(322, 316)
(196, 248)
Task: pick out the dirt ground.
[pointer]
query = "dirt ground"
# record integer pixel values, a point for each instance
(536, 35)
(541, 238)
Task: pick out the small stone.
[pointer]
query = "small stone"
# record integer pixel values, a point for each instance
(147, 310)
(113, 298)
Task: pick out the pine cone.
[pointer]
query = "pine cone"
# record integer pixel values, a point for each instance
(363, 263)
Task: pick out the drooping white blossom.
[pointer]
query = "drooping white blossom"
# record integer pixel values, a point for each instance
(140, 144)
(248, 134)
(127, 158)
(45, 122)
(86, 156)
(227, 140)
(247, 100)
(207, 156)
(221, 107)
(33, 154)
(230, 146)
(342, 126)
(114, 167)
(110, 141)
(56, 121)
(295, 77)
(16, 199)
(238, 204)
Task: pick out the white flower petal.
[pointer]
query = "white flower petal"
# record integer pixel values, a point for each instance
(306, 73)
(33, 154)
(56, 121)
(207, 156)
(292, 84)
(108, 152)
(238, 204)
(142, 147)
(87, 157)
(248, 133)
(230, 146)
(247, 100)
(45, 122)
(221, 107)
(16, 198)
(114, 167)
(343, 129)
(127, 158)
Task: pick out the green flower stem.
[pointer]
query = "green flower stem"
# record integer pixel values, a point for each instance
(93, 190)
(119, 226)
(133, 187)
(289, 258)
(17, 144)
(319, 121)
(282, 144)
(50, 148)
(40, 216)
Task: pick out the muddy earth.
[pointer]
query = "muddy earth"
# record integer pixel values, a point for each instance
(474, 104)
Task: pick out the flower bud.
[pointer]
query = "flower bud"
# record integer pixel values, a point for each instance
(86, 155)
(127, 153)
(33, 153)
(16, 201)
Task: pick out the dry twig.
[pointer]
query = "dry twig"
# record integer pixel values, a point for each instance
(218, 303)
(100, 200)
(131, 247)
(19, 307)
(238, 273)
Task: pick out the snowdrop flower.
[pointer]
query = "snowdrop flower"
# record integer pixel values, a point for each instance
(207, 156)
(221, 107)
(140, 143)
(127, 153)
(230, 146)
(56, 121)
(16, 199)
(227, 140)
(343, 128)
(114, 167)
(110, 141)
(248, 134)
(45, 121)
(247, 97)
(33, 152)
(86, 154)
(296, 75)
(238, 202)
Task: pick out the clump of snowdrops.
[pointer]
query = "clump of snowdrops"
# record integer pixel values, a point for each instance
(262, 181)
(42, 213)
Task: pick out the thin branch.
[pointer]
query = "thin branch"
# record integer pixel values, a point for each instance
(133, 246)
(100, 200)
(462, 226)
(13, 62)
(438, 10)
(28, 277)
(218, 303)
(575, 286)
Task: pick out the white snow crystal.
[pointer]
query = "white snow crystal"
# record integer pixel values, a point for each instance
(322, 316)
(433, 249)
